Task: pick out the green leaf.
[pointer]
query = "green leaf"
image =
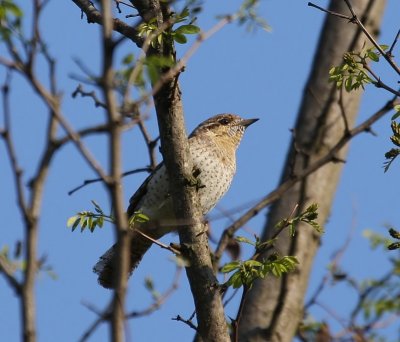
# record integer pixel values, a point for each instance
(84, 223)
(149, 284)
(187, 29)
(91, 224)
(128, 59)
(373, 56)
(71, 221)
(153, 73)
(348, 84)
(97, 207)
(244, 240)
(393, 246)
(179, 38)
(332, 71)
(252, 263)
(9, 6)
(276, 270)
(235, 280)
(394, 233)
(231, 266)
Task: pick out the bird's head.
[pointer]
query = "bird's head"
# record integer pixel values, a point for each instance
(224, 129)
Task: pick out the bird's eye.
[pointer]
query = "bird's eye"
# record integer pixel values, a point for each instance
(224, 121)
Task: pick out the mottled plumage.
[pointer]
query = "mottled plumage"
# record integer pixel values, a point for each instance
(212, 145)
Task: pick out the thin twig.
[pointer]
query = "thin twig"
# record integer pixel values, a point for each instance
(159, 243)
(379, 83)
(160, 300)
(92, 94)
(150, 143)
(7, 270)
(102, 317)
(186, 321)
(105, 315)
(390, 51)
(336, 14)
(94, 180)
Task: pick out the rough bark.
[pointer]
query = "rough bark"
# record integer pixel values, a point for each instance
(273, 308)
(210, 316)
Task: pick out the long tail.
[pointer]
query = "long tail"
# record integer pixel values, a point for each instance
(105, 268)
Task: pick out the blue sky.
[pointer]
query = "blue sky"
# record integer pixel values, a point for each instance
(256, 74)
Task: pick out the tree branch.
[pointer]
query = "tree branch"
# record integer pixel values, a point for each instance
(174, 145)
(355, 20)
(94, 16)
(6, 269)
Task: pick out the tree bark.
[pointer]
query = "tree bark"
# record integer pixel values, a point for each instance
(210, 316)
(274, 306)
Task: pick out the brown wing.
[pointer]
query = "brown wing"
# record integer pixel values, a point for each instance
(138, 195)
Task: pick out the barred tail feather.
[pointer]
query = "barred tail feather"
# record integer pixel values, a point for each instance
(105, 268)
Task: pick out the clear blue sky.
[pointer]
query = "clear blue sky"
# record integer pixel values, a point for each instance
(252, 74)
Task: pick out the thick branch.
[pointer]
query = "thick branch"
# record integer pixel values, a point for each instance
(94, 16)
(174, 145)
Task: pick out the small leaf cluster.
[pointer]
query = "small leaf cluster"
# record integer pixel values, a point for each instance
(310, 329)
(10, 18)
(352, 74)
(123, 75)
(259, 245)
(245, 272)
(376, 240)
(380, 307)
(91, 220)
(149, 285)
(393, 153)
(15, 262)
(309, 216)
(151, 29)
(248, 14)
(395, 235)
(156, 63)
(150, 67)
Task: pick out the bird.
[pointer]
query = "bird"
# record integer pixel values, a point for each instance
(212, 147)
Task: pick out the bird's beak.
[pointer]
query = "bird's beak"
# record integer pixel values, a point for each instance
(247, 122)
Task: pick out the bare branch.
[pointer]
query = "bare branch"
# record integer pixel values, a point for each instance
(186, 321)
(339, 15)
(6, 135)
(159, 243)
(7, 270)
(379, 83)
(79, 91)
(390, 51)
(94, 16)
(151, 144)
(95, 180)
(160, 300)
